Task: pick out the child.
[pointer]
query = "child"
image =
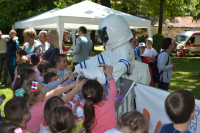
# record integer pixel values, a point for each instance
(142, 48)
(149, 51)
(180, 107)
(19, 53)
(164, 64)
(23, 59)
(17, 111)
(61, 119)
(41, 66)
(50, 69)
(2, 97)
(23, 76)
(49, 106)
(8, 127)
(61, 65)
(34, 61)
(36, 95)
(27, 74)
(50, 77)
(19, 67)
(131, 122)
(99, 113)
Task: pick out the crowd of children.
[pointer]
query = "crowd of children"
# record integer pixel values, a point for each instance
(40, 105)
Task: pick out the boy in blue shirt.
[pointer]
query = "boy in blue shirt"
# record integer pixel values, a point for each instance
(12, 47)
(180, 107)
(61, 64)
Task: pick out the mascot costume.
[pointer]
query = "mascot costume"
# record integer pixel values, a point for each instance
(115, 33)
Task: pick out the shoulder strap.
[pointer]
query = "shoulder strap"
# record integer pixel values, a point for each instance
(167, 60)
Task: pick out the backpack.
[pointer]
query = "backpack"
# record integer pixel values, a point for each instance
(155, 71)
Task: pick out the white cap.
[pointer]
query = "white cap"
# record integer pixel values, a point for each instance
(141, 44)
(150, 39)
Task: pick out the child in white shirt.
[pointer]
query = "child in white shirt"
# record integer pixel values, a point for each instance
(149, 51)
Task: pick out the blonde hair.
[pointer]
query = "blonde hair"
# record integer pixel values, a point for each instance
(134, 120)
(55, 36)
(22, 59)
(30, 32)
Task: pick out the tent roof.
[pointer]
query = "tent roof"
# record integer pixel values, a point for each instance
(84, 13)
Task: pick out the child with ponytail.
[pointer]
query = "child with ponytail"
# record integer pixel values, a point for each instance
(131, 122)
(36, 95)
(99, 113)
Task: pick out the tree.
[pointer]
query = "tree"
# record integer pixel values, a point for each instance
(16, 10)
(106, 3)
(163, 9)
(132, 7)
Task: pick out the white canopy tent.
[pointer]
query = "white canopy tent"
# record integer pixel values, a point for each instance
(85, 13)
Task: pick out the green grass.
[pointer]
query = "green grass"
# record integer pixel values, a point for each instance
(8, 92)
(186, 75)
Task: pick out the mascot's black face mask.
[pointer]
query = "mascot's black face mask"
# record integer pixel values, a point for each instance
(103, 35)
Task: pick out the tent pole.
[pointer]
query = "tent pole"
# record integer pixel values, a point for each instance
(74, 37)
(149, 30)
(60, 28)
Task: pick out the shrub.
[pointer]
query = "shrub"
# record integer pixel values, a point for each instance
(157, 39)
(142, 38)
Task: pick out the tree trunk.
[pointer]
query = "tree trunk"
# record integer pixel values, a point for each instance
(161, 16)
(96, 1)
(10, 16)
(106, 3)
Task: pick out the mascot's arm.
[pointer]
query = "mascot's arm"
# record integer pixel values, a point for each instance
(90, 69)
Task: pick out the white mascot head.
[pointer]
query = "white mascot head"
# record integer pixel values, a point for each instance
(114, 31)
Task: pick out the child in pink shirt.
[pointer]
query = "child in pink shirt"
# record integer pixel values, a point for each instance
(99, 113)
(36, 95)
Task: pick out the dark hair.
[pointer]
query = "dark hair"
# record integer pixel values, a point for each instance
(83, 29)
(21, 52)
(15, 109)
(179, 106)
(24, 73)
(35, 59)
(132, 37)
(134, 120)
(61, 119)
(50, 105)
(94, 90)
(31, 96)
(58, 57)
(24, 65)
(48, 67)
(166, 42)
(48, 76)
(8, 127)
(42, 65)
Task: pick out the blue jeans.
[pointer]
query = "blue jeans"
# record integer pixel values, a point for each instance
(3, 58)
(163, 85)
(11, 66)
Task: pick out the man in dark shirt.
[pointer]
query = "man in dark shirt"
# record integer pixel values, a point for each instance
(12, 47)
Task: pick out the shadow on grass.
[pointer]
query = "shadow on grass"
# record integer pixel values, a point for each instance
(186, 75)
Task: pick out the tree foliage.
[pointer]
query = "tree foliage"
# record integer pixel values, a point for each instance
(15, 10)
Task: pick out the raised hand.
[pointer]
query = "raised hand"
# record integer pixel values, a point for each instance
(80, 84)
(108, 70)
